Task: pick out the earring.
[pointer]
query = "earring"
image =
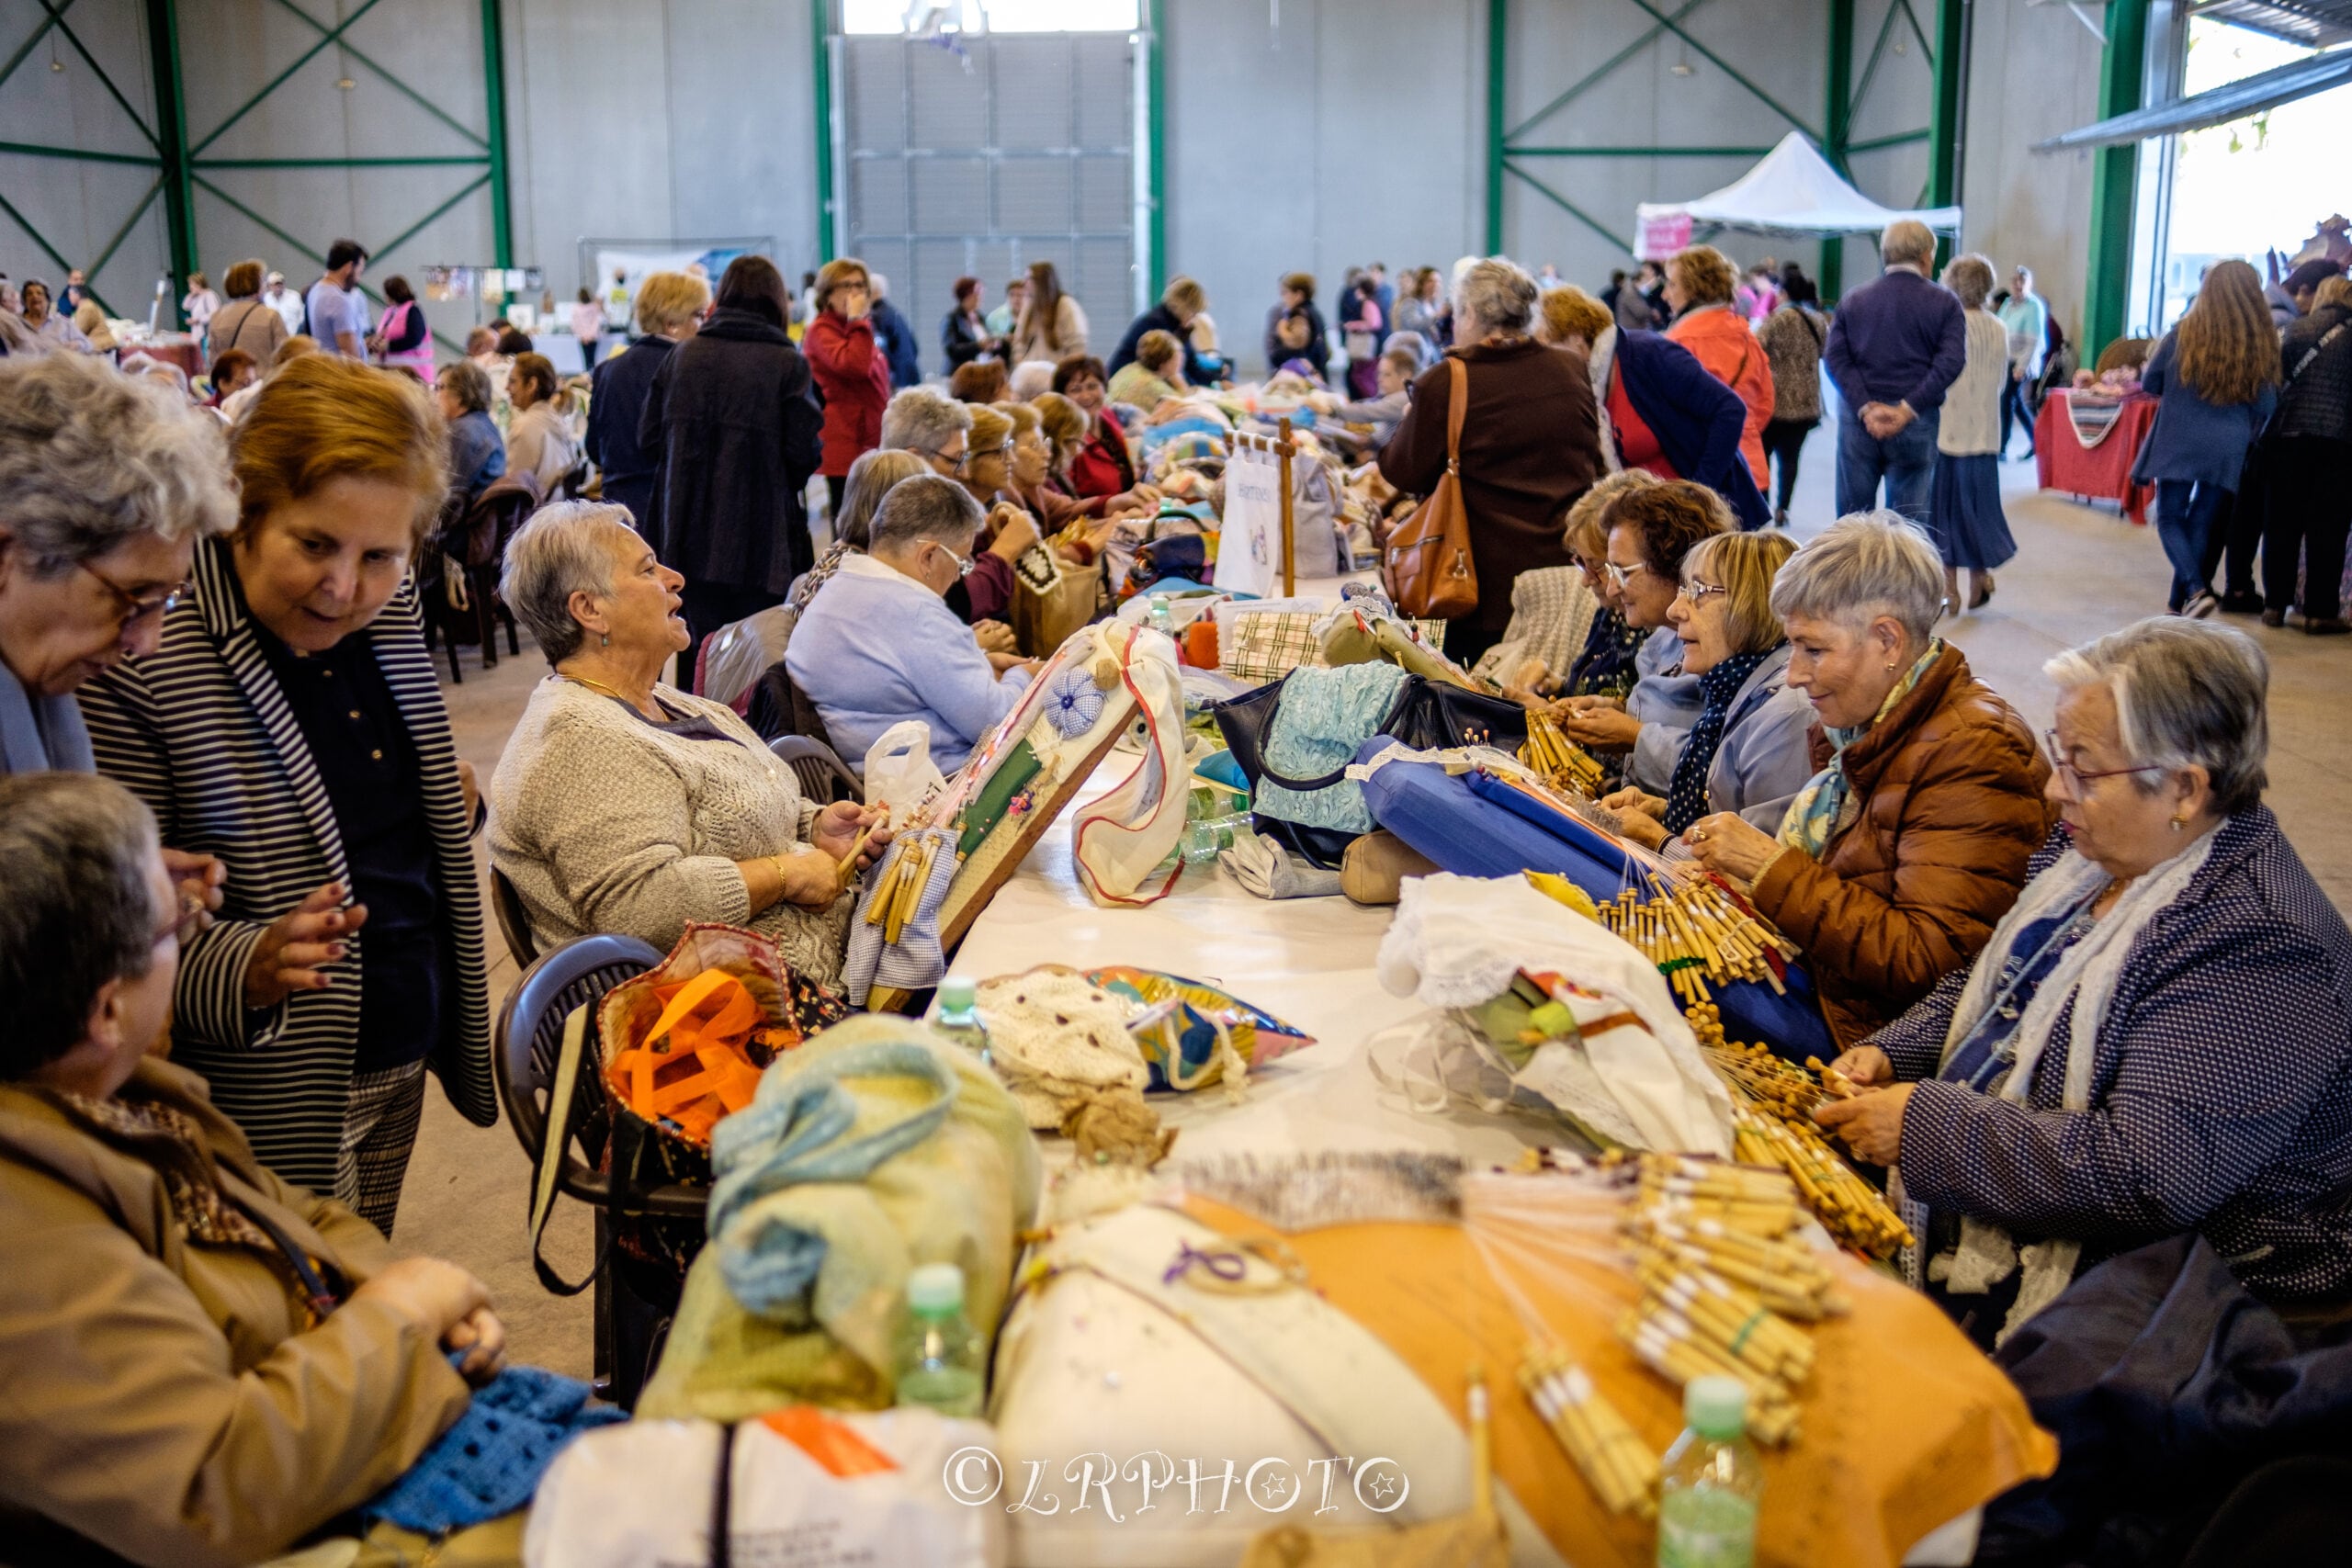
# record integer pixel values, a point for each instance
(603, 639)
(1890, 665)
(2178, 823)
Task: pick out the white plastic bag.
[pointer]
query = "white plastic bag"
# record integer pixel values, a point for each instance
(899, 772)
(806, 1487)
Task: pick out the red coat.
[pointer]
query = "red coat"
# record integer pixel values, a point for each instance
(1103, 466)
(1723, 343)
(855, 380)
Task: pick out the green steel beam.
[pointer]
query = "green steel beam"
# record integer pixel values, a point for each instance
(1726, 67)
(411, 232)
(822, 59)
(1948, 119)
(48, 19)
(74, 155)
(1880, 143)
(1497, 95)
(1616, 241)
(57, 17)
(1576, 89)
(1930, 49)
(106, 253)
(1869, 67)
(1511, 152)
(1155, 13)
(493, 81)
(2114, 175)
(470, 160)
(34, 235)
(171, 118)
(1837, 126)
(334, 36)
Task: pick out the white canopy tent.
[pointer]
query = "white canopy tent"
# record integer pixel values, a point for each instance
(1791, 190)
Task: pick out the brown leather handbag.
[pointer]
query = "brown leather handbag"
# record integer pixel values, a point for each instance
(1427, 567)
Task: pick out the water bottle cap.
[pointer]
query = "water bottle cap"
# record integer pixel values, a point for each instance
(959, 992)
(1715, 1407)
(936, 1288)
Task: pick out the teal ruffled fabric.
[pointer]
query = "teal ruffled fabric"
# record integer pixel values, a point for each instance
(1325, 715)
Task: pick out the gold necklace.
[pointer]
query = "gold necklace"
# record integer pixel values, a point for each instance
(598, 686)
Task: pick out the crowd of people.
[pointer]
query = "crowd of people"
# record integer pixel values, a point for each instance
(233, 820)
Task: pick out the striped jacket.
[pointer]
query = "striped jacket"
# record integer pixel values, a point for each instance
(199, 730)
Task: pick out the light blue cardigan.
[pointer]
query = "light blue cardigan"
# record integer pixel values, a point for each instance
(1765, 754)
(875, 646)
(1667, 702)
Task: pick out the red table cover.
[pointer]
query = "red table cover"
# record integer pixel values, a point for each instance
(2102, 471)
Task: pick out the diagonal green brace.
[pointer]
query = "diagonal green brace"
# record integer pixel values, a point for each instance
(1615, 239)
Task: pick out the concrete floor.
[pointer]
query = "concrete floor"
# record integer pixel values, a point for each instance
(2081, 571)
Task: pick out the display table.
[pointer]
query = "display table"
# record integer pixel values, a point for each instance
(2100, 468)
(171, 348)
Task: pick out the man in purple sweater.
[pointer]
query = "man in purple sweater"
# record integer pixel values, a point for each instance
(1894, 345)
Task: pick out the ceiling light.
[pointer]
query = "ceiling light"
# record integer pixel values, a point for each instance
(346, 82)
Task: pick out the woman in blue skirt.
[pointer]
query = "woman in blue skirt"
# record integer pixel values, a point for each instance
(1964, 510)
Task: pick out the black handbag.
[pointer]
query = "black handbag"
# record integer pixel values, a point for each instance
(1427, 716)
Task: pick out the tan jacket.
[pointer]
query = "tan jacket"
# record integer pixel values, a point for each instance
(163, 1399)
(1949, 789)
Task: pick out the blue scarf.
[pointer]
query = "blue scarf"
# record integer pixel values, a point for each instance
(1686, 796)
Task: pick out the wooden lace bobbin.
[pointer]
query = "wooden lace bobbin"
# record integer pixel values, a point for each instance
(1607, 1452)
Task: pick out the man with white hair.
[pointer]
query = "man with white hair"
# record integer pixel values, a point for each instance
(1894, 345)
(285, 301)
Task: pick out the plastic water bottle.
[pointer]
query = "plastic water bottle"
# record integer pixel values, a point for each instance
(1711, 1483)
(940, 1362)
(958, 1016)
(1161, 620)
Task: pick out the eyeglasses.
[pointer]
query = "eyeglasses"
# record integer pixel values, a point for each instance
(189, 919)
(1697, 592)
(2074, 778)
(956, 463)
(964, 564)
(1619, 575)
(136, 607)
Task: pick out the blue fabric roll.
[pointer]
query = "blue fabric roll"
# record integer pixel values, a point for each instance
(490, 1463)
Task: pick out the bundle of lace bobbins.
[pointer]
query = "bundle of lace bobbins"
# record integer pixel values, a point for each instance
(1564, 764)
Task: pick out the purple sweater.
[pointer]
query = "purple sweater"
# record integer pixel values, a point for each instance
(1897, 339)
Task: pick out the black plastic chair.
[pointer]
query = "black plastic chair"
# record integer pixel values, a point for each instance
(819, 769)
(629, 1329)
(514, 921)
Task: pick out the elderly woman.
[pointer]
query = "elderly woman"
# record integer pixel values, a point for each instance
(1651, 529)
(1181, 303)
(1964, 506)
(538, 443)
(1156, 375)
(669, 309)
(2080, 1090)
(288, 723)
(735, 437)
(852, 371)
(980, 382)
(245, 324)
(1607, 664)
(477, 453)
(1660, 410)
(879, 645)
(177, 1392)
(870, 479)
(1749, 751)
(624, 804)
(1698, 288)
(40, 313)
(1531, 443)
(1102, 468)
(1894, 863)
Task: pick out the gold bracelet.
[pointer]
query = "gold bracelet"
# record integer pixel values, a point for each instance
(783, 883)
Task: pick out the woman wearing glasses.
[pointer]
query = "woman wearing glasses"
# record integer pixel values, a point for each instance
(1650, 529)
(2090, 1084)
(288, 722)
(624, 805)
(879, 645)
(1749, 751)
(111, 483)
(1894, 861)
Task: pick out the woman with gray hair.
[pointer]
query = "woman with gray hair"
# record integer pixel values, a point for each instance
(624, 805)
(2084, 1088)
(1964, 506)
(111, 482)
(1529, 443)
(1893, 864)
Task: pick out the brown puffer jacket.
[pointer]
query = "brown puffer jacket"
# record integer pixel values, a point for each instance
(1949, 789)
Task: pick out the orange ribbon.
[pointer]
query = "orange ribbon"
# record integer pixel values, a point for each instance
(703, 1072)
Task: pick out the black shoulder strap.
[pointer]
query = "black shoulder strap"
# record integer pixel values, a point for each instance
(722, 1501)
(2317, 349)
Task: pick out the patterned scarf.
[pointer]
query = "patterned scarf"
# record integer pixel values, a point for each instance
(1605, 668)
(172, 1142)
(1686, 797)
(1821, 809)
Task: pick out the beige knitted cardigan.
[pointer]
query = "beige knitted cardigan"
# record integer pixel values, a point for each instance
(605, 823)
